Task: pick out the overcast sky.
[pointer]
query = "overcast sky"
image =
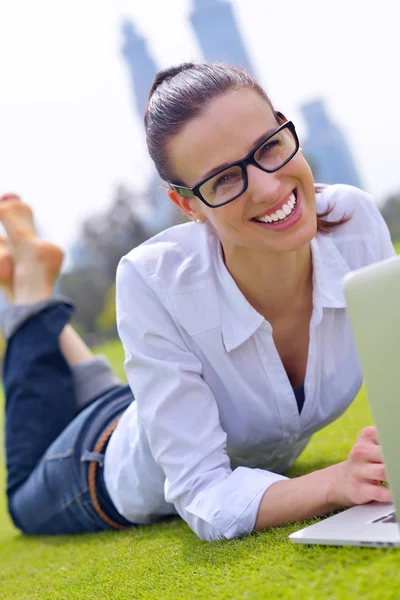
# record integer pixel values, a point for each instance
(68, 130)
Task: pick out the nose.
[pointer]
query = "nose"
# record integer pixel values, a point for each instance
(263, 187)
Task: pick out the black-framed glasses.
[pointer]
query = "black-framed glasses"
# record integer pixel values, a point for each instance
(228, 183)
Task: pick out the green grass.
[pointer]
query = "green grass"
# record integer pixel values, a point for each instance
(115, 354)
(167, 561)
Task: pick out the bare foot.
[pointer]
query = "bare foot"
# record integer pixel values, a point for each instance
(37, 263)
(6, 269)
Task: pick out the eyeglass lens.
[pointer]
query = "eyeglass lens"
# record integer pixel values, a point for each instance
(230, 183)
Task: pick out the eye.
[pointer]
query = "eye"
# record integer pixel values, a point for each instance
(225, 179)
(269, 147)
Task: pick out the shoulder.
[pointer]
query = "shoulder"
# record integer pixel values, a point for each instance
(364, 237)
(176, 259)
(347, 201)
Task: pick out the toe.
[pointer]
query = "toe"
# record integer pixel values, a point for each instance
(6, 264)
(10, 196)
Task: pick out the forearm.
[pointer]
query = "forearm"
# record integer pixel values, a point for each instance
(299, 498)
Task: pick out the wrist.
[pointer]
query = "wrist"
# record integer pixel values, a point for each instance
(334, 497)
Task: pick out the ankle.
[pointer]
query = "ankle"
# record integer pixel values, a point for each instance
(26, 295)
(36, 271)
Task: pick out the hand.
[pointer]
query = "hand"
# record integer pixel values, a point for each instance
(358, 479)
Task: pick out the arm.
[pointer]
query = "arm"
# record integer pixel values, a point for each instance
(180, 416)
(356, 480)
(297, 499)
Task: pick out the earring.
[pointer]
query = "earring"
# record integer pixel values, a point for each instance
(199, 221)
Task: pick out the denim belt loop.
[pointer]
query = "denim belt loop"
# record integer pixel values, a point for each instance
(88, 456)
(92, 473)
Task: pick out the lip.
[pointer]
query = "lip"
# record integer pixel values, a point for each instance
(277, 206)
(291, 219)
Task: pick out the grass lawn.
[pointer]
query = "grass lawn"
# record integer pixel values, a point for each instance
(167, 561)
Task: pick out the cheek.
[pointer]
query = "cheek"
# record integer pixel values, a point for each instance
(227, 216)
(198, 206)
(299, 167)
(306, 169)
(228, 227)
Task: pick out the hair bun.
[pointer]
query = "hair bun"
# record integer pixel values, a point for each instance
(169, 74)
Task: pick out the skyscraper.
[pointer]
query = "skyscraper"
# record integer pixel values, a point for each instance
(326, 148)
(142, 70)
(218, 34)
(141, 66)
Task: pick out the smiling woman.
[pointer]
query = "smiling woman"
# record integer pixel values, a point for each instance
(235, 330)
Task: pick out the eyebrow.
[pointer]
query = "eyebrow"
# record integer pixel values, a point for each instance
(227, 164)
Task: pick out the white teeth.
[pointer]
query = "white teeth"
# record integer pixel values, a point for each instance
(280, 214)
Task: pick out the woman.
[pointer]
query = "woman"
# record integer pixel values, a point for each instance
(237, 342)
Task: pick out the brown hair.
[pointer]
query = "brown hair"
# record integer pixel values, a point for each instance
(179, 94)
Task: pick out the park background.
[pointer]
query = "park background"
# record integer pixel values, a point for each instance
(74, 81)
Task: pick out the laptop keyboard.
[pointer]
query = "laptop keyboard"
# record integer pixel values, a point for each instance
(390, 518)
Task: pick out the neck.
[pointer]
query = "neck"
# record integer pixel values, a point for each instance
(272, 282)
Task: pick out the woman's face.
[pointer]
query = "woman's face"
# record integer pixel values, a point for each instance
(225, 132)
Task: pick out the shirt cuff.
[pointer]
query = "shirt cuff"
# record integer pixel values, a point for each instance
(231, 508)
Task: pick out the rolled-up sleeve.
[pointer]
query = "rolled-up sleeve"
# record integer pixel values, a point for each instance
(180, 416)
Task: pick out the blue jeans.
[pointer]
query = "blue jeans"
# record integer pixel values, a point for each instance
(49, 444)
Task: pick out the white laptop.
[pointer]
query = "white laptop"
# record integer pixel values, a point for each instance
(373, 299)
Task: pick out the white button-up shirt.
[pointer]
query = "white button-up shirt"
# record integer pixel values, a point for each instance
(215, 421)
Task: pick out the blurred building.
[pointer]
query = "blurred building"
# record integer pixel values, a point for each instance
(218, 33)
(326, 148)
(141, 66)
(142, 71)
(220, 39)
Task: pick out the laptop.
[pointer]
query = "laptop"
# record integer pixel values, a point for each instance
(373, 299)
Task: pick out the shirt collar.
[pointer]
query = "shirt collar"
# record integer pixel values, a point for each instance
(239, 320)
(329, 269)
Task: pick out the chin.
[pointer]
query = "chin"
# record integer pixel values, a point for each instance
(299, 238)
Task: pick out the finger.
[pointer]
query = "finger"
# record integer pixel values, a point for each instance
(374, 454)
(369, 434)
(366, 452)
(379, 493)
(372, 472)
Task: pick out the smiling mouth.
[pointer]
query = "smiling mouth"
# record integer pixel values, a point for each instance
(280, 215)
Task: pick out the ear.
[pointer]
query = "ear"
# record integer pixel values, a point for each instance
(186, 205)
(280, 117)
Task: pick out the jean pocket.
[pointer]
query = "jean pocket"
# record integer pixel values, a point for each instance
(53, 455)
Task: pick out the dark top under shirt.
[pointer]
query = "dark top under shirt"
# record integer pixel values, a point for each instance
(299, 395)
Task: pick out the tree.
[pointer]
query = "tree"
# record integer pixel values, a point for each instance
(107, 236)
(86, 288)
(104, 238)
(106, 321)
(391, 213)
